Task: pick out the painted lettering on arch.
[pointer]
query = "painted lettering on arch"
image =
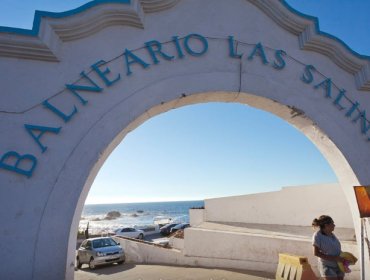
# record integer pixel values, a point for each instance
(176, 49)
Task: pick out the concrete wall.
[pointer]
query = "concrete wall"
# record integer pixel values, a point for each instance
(196, 216)
(177, 243)
(257, 251)
(218, 249)
(137, 252)
(289, 206)
(35, 68)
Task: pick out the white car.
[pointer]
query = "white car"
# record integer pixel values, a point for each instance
(130, 232)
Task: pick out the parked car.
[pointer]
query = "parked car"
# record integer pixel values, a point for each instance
(165, 230)
(130, 232)
(98, 251)
(179, 226)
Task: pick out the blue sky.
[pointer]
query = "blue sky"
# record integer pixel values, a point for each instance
(215, 149)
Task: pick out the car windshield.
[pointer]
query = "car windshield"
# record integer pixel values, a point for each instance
(105, 242)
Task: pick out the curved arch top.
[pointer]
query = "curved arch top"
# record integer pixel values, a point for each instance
(312, 38)
(45, 14)
(79, 81)
(42, 45)
(318, 31)
(51, 28)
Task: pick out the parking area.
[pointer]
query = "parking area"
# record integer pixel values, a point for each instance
(139, 271)
(130, 271)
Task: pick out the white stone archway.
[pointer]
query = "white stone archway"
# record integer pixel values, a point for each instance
(142, 58)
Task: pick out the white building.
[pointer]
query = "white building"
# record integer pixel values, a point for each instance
(76, 84)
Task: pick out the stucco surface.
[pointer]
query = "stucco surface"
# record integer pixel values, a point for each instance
(49, 203)
(293, 206)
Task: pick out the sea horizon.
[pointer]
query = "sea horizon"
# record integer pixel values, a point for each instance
(131, 202)
(133, 214)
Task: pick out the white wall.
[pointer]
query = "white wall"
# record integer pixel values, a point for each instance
(49, 204)
(218, 249)
(177, 243)
(196, 216)
(289, 206)
(257, 251)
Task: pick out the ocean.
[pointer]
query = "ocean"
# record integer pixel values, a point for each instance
(134, 214)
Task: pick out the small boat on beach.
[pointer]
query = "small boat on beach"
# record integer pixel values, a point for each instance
(162, 220)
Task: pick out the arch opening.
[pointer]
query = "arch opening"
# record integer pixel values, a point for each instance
(264, 57)
(292, 115)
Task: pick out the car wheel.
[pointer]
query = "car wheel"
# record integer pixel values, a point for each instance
(121, 262)
(92, 264)
(141, 236)
(79, 264)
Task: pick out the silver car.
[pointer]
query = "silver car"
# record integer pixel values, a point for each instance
(100, 250)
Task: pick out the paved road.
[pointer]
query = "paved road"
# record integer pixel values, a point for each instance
(129, 271)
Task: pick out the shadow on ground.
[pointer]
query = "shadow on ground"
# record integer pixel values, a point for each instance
(136, 271)
(106, 269)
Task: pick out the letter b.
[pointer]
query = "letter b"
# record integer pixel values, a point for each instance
(12, 160)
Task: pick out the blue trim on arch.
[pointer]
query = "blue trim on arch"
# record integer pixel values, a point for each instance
(315, 20)
(40, 14)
